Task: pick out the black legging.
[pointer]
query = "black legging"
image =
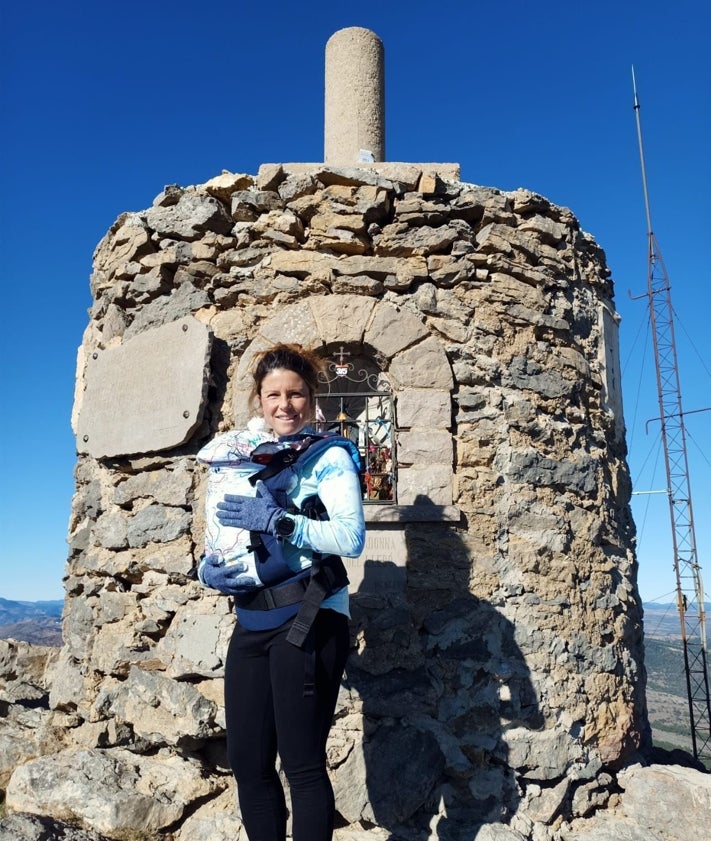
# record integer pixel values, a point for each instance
(266, 711)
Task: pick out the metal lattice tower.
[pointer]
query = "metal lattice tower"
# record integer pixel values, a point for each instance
(689, 586)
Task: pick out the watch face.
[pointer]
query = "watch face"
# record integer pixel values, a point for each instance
(285, 526)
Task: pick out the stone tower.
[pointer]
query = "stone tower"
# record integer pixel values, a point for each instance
(497, 668)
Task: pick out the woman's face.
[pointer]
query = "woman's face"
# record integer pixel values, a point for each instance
(285, 402)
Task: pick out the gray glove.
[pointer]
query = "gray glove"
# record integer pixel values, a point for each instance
(232, 579)
(258, 513)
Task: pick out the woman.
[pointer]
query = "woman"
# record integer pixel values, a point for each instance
(267, 707)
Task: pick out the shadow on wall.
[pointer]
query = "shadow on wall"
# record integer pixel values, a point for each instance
(440, 678)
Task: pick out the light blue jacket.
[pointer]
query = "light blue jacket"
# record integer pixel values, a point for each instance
(332, 475)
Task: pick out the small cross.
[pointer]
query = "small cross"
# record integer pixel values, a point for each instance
(341, 365)
(341, 353)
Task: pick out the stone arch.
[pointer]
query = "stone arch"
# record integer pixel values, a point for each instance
(413, 359)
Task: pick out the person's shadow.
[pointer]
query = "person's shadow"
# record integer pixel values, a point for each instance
(440, 678)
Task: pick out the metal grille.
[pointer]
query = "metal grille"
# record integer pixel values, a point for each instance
(355, 399)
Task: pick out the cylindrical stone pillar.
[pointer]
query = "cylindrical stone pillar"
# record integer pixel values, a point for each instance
(355, 97)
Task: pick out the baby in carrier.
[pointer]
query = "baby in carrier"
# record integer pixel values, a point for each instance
(228, 457)
(254, 566)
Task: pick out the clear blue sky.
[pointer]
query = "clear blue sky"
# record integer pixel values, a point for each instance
(103, 104)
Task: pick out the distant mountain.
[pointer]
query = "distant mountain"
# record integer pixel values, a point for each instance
(15, 611)
(36, 622)
(662, 619)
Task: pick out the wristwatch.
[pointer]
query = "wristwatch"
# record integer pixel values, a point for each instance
(284, 526)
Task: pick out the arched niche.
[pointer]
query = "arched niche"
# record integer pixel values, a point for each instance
(418, 373)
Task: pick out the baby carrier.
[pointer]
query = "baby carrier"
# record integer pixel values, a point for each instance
(273, 592)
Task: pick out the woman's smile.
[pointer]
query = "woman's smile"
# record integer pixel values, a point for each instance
(285, 401)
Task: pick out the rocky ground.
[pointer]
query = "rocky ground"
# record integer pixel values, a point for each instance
(654, 803)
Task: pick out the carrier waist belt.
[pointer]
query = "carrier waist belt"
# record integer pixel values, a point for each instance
(268, 598)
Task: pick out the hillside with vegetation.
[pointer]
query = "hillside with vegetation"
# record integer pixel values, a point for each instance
(39, 623)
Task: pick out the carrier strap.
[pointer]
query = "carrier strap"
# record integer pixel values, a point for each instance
(268, 598)
(329, 576)
(280, 461)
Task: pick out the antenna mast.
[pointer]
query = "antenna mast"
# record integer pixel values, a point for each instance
(689, 586)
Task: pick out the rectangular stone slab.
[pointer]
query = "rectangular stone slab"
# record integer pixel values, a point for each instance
(148, 394)
(383, 564)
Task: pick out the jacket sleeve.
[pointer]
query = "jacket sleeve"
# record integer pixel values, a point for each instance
(338, 487)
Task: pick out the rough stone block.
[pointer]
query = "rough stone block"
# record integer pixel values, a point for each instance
(295, 324)
(270, 176)
(113, 791)
(399, 240)
(429, 446)
(430, 485)
(358, 285)
(405, 270)
(431, 183)
(127, 240)
(190, 218)
(241, 409)
(392, 329)
(423, 366)
(546, 229)
(672, 800)
(164, 710)
(407, 175)
(197, 639)
(157, 524)
(424, 407)
(222, 186)
(300, 263)
(170, 487)
(341, 318)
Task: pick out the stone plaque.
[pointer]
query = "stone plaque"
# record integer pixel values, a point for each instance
(382, 566)
(609, 359)
(148, 394)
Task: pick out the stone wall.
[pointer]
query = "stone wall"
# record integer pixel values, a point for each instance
(503, 681)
